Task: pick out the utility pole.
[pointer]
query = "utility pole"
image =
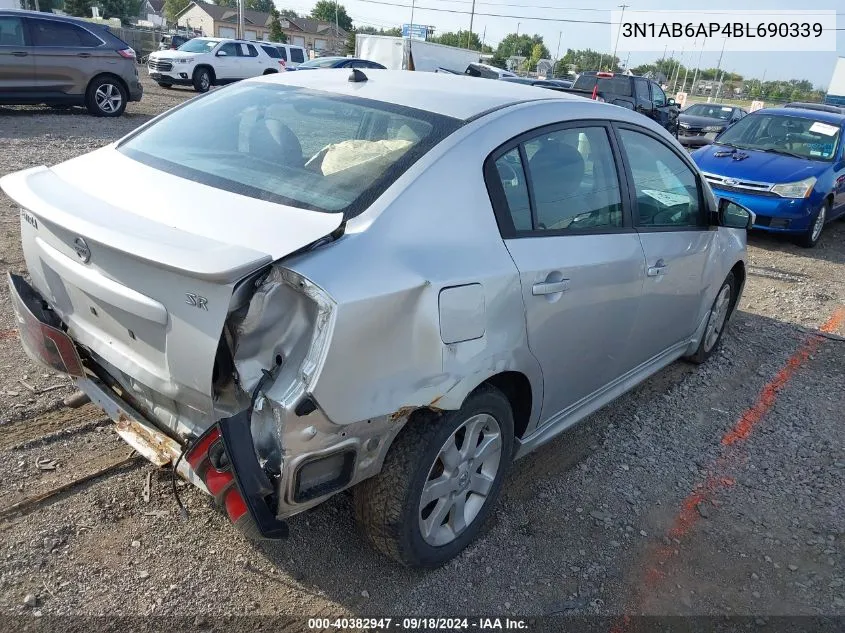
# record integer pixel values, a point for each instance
(627, 59)
(240, 19)
(677, 70)
(697, 66)
(601, 62)
(471, 17)
(484, 38)
(718, 68)
(618, 33)
(336, 27)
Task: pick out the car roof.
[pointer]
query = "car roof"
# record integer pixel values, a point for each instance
(457, 96)
(51, 16)
(716, 105)
(805, 113)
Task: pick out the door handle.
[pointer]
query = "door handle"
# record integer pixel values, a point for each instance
(657, 269)
(83, 54)
(20, 54)
(550, 287)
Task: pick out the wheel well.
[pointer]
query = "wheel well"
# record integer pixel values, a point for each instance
(112, 76)
(829, 199)
(270, 71)
(209, 69)
(517, 390)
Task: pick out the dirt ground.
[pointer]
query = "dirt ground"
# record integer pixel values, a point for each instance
(706, 490)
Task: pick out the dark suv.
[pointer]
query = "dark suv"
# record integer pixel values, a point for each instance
(56, 60)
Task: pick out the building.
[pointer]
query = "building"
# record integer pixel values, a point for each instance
(216, 21)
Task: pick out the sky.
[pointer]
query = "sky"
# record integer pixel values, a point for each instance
(455, 14)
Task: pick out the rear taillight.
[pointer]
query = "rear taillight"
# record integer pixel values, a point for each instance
(208, 459)
(127, 53)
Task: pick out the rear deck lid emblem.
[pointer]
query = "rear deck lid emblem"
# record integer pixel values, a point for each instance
(82, 250)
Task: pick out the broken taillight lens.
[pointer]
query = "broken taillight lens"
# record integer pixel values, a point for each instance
(207, 457)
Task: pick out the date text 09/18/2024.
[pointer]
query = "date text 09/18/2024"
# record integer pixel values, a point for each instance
(418, 623)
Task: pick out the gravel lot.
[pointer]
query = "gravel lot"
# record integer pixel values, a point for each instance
(709, 490)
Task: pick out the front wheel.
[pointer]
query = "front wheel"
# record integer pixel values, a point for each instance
(202, 80)
(716, 321)
(439, 482)
(811, 236)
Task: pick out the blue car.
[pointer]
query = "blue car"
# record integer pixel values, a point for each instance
(785, 164)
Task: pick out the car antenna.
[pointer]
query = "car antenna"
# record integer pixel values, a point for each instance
(357, 75)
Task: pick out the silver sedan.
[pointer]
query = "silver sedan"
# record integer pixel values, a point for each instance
(394, 282)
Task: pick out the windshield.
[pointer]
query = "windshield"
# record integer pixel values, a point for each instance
(610, 85)
(711, 111)
(325, 62)
(290, 145)
(800, 136)
(198, 45)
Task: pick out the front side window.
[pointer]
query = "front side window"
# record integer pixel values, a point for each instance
(658, 96)
(798, 136)
(11, 31)
(230, 48)
(297, 55)
(62, 34)
(666, 187)
(574, 184)
(291, 145)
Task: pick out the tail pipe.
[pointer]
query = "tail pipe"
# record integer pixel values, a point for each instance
(224, 458)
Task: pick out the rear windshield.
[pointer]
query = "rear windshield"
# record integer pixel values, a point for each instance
(299, 147)
(608, 85)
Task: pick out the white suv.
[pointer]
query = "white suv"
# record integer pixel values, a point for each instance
(207, 61)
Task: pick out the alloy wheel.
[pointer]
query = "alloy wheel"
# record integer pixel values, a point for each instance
(460, 479)
(718, 317)
(108, 98)
(819, 223)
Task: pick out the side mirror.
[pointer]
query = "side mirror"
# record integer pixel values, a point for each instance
(220, 54)
(670, 102)
(735, 216)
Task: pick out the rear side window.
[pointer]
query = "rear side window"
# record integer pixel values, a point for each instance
(250, 51)
(291, 145)
(272, 51)
(297, 55)
(63, 34)
(610, 85)
(572, 178)
(11, 31)
(283, 52)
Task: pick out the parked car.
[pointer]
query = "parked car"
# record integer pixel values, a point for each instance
(339, 62)
(204, 62)
(563, 83)
(821, 107)
(700, 123)
(60, 61)
(786, 165)
(289, 56)
(629, 91)
(487, 71)
(539, 83)
(397, 295)
(172, 42)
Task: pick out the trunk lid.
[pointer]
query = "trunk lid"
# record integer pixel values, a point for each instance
(141, 265)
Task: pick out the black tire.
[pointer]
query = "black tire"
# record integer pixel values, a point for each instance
(704, 350)
(807, 239)
(164, 85)
(106, 97)
(202, 79)
(387, 506)
(270, 71)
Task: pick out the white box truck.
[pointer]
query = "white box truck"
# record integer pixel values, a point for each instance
(836, 90)
(402, 53)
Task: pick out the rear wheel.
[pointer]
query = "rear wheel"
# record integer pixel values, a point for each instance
(106, 96)
(439, 482)
(811, 237)
(717, 320)
(202, 79)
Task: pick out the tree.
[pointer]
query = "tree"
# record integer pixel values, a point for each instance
(459, 39)
(172, 8)
(276, 33)
(290, 14)
(78, 8)
(586, 59)
(324, 11)
(520, 45)
(537, 53)
(264, 6)
(121, 9)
